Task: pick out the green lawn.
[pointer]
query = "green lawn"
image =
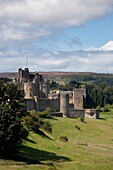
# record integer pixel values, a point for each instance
(90, 148)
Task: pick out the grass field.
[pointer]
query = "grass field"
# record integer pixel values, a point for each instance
(90, 148)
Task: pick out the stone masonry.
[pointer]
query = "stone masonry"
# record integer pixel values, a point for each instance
(37, 96)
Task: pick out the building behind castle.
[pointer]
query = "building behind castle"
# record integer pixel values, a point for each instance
(37, 96)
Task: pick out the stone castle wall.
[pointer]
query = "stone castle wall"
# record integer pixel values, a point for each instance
(42, 104)
(76, 113)
(30, 104)
(53, 104)
(85, 113)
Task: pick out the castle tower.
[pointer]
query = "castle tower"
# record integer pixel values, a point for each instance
(79, 98)
(64, 104)
(23, 75)
(20, 74)
(26, 75)
(46, 88)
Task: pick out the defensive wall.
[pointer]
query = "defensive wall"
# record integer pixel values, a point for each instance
(42, 104)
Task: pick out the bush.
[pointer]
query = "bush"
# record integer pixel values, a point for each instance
(77, 127)
(45, 114)
(47, 126)
(34, 123)
(64, 138)
(82, 119)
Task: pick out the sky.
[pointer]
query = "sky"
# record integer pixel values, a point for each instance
(56, 35)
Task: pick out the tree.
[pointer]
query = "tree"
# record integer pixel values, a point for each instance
(12, 130)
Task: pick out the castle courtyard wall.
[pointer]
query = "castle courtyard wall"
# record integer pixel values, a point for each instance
(53, 104)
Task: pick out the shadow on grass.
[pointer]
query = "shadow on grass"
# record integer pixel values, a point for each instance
(30, 155)
(54, 118)
(101, 118)
(31, 141)
(84, 121)
(43, 134)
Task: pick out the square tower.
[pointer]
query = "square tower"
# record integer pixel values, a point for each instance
(79, 98)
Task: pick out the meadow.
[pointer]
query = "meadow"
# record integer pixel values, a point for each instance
(89, 147)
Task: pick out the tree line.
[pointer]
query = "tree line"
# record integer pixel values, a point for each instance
(94, 78)
(99, 95)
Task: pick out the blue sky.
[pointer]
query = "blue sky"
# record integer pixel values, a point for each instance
(56, 35)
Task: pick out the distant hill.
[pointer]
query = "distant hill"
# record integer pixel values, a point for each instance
(46, 74)
(9, 75)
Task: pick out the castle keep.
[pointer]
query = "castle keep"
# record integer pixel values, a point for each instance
(37, 96)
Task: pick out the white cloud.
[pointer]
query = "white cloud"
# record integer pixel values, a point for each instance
(80, 61)
(10, 33)
(107, 47)
(66, 12)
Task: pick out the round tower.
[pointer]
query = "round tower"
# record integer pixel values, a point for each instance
(64, 104)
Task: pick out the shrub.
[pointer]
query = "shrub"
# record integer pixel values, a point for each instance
(81, 119)
(34, 123)
(46, 114)
(47, 126)
(77, 127)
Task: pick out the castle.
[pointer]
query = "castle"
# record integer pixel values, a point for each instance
(37, 96)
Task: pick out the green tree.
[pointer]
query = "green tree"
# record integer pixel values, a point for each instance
(12, 130)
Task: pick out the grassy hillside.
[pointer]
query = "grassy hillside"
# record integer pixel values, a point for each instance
(90, 148)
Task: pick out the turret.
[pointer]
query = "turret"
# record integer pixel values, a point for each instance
(64, 104)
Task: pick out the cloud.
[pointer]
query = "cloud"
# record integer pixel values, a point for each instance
(107, 47)
(43, 60)
(10, 32)
(25, 20)
(58, 12)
